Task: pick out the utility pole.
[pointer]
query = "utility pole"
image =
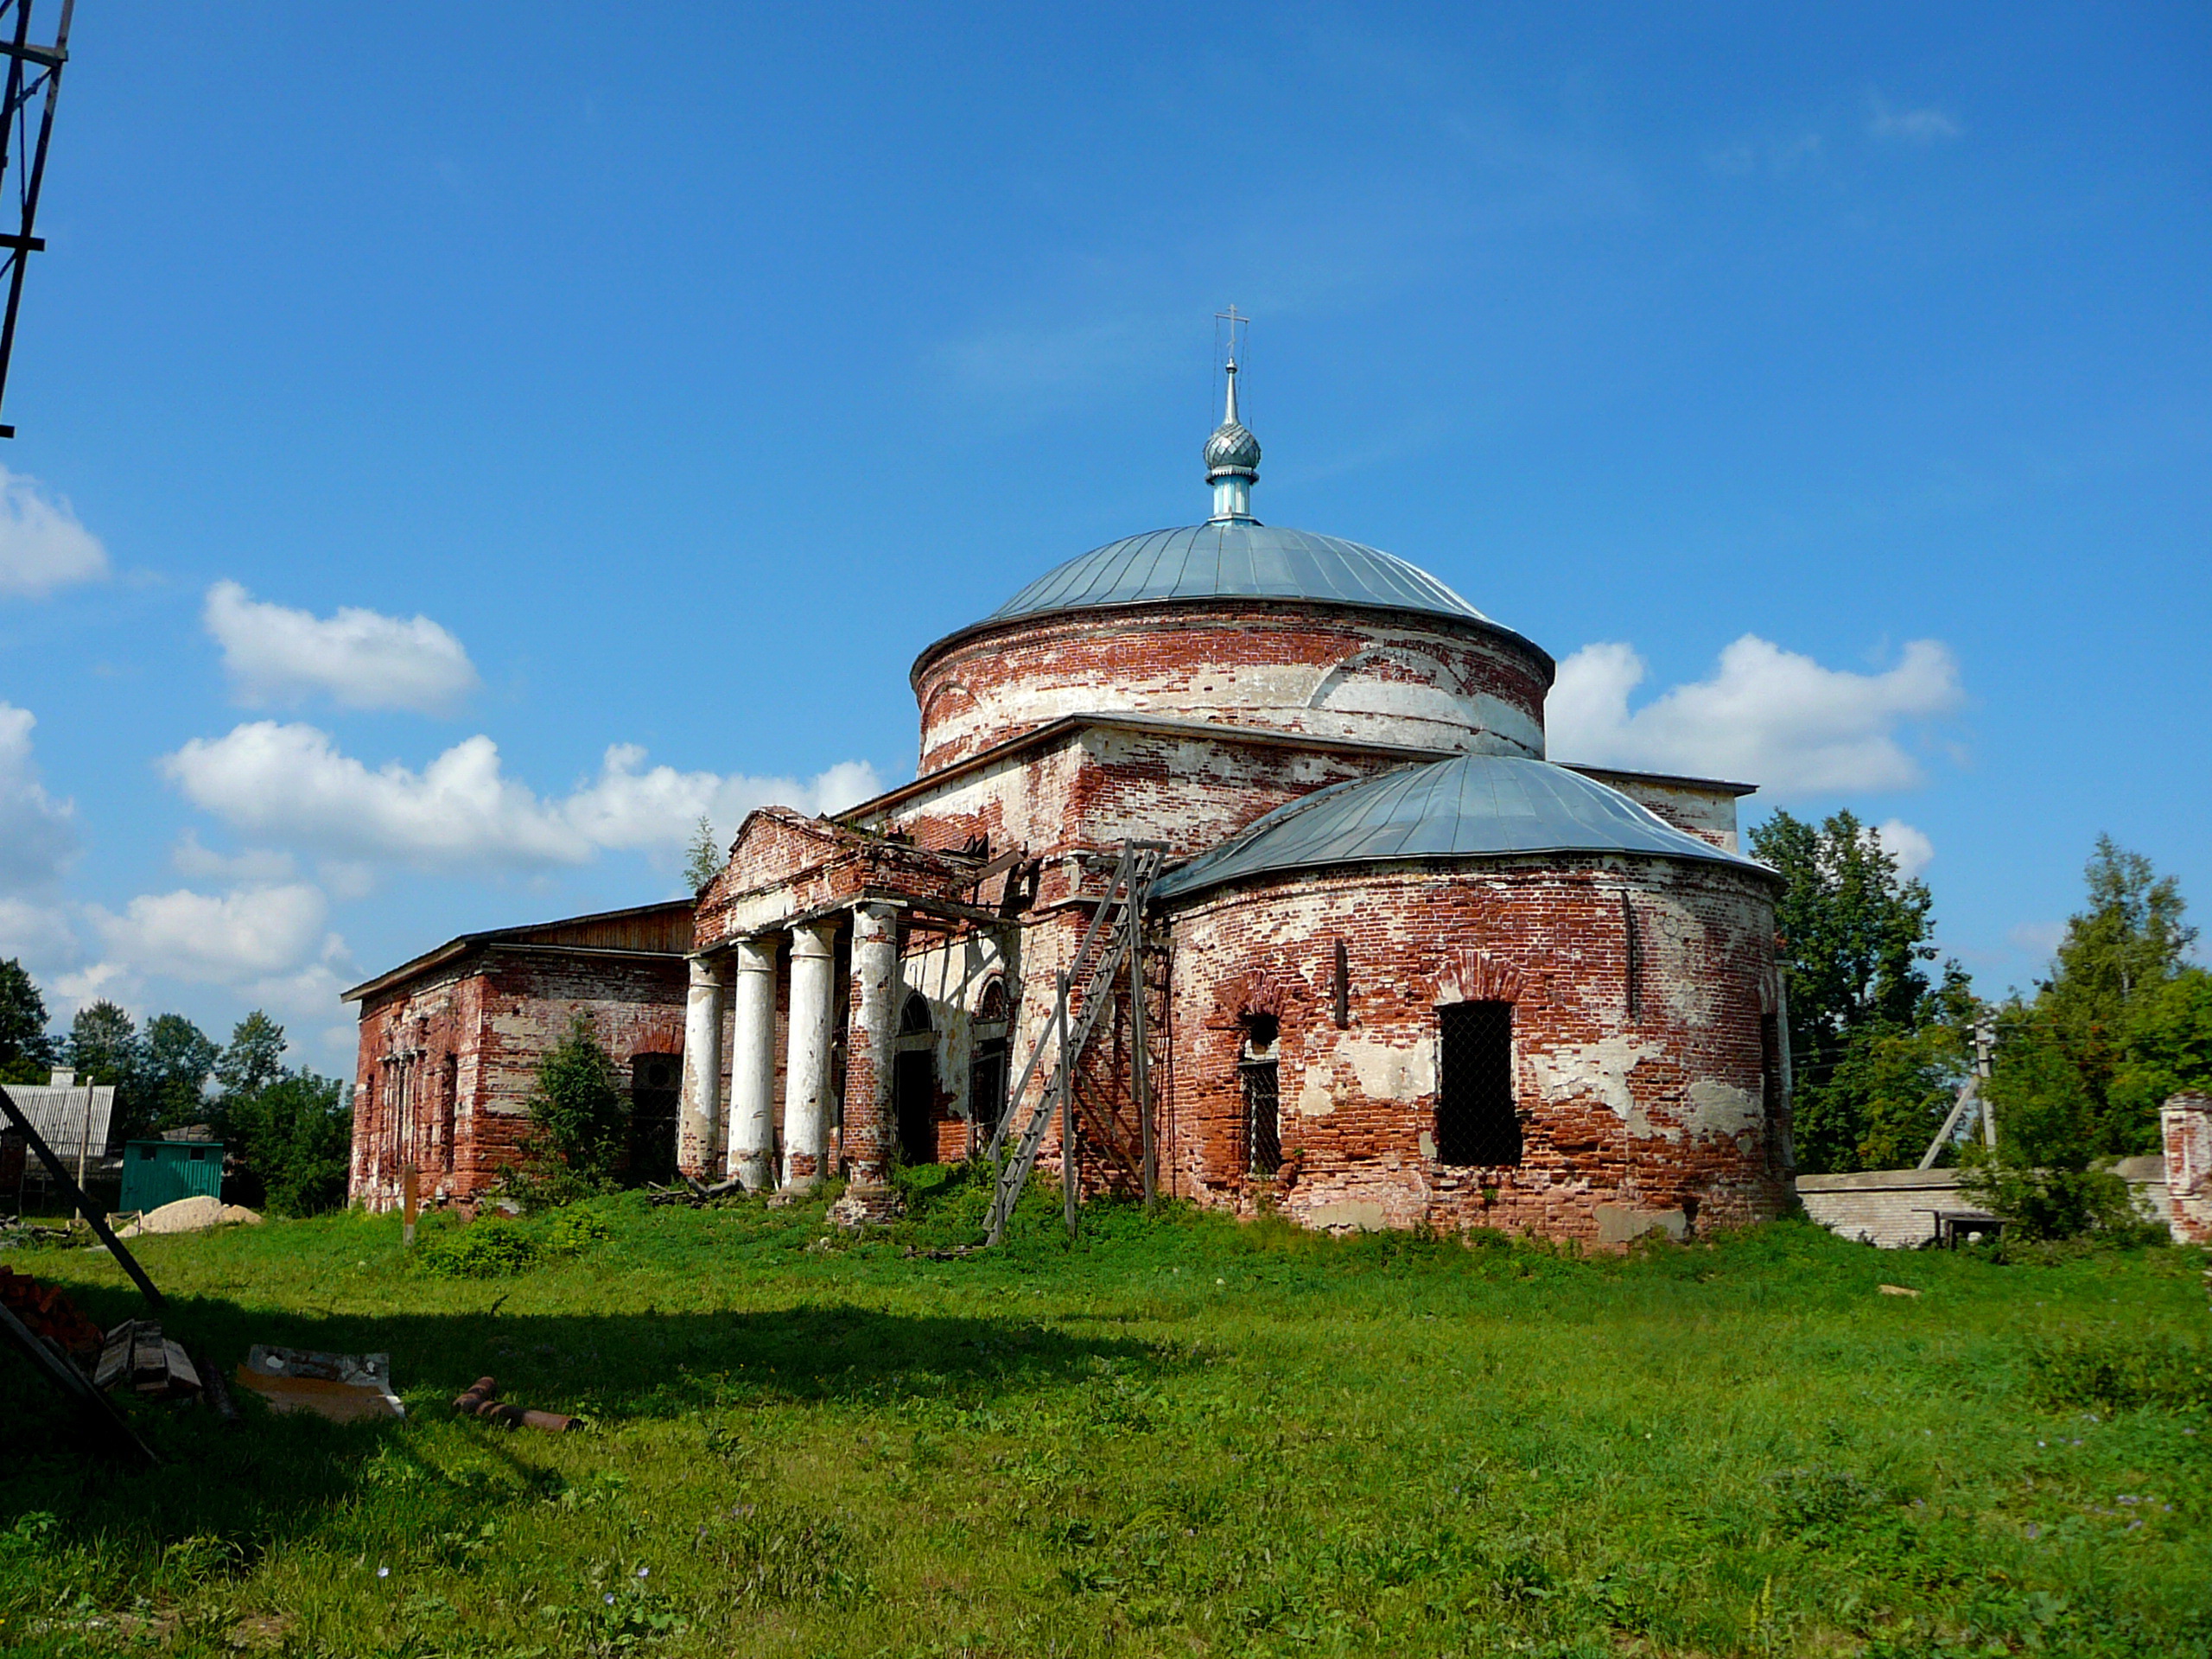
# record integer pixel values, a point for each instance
(34, 74)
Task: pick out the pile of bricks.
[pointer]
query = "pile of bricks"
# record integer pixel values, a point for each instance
(49, 1313)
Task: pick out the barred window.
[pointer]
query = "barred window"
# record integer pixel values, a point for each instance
(1476, 1122)
(1257, 1071)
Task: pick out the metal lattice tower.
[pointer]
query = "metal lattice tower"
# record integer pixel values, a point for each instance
(34, 76)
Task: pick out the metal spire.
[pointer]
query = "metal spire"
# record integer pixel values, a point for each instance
(1232, 453)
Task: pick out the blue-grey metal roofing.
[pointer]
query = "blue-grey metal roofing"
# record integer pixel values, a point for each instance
(1235, 559)
(1471, 806)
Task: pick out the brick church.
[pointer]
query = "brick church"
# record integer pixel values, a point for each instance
(1234, 870)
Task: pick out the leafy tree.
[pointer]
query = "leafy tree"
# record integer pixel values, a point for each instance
(102, 1047)
(255, 1058)
(295, 1135)
(175, 1060)
(1877, 1048)
(26, 1051)
(2122, 1022)
(703, 858)
(291, 1131)
(581, 1121)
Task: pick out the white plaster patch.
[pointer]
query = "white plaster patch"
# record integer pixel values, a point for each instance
(1574, 1070)
(1361, 1215)
(1717, 1107)
(1315, 1098)
(1389, 1070)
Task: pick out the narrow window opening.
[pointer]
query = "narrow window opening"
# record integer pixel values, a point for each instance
(1258, 1073)
(914, 1017)
(1476, 1120)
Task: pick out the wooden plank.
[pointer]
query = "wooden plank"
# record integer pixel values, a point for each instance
(182, 1376)
(115, 1356)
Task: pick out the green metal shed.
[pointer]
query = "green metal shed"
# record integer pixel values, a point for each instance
(155, 1172)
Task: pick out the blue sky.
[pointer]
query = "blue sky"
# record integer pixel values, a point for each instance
(459, 442)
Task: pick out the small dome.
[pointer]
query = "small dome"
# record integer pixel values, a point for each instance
(1471, 806)
(1235, 559)
(1232, 448)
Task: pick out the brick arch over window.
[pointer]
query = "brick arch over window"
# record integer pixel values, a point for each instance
(1249, 995)
(1471, 976)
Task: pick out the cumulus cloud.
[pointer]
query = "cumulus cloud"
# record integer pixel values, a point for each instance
(1765, 715)
(35, 932)
(42, 546)
(245, 935)
(290, 783)
(1911, 847)
(361, 659)
(1910, 126)
(38, 834)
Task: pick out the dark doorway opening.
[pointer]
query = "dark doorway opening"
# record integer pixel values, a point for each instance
(913, 1092)
(655, 1080)
(1476, 1120)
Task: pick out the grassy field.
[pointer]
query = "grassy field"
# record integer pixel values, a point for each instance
(1179, 1436)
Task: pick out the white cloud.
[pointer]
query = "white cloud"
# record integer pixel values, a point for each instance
(362, 659)
(35, 932)
(1765, 716)
(1911, 847)
(2037, 938)
(1910, 126)
(38, 834)
(259, 865)
(42, 546)
(290, 783)
(244, 935)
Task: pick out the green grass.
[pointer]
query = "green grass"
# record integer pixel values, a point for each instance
(1180, 1436)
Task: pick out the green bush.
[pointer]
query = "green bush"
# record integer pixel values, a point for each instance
(485, 1250)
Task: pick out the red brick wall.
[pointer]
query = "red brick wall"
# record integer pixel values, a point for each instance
(474, 1036)
(1292, 667)
(1657, 1112)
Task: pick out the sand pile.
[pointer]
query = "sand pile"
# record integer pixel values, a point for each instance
(191, 1215)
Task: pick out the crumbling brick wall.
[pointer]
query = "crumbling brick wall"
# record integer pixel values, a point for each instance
(1662, 1108)
(1295, 666)
(447, 1064)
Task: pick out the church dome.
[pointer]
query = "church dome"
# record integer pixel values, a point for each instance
(1232, 448)
(1235, 558)
(1471, 806)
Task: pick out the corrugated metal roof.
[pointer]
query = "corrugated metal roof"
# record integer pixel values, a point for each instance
(1235, 559)
(1470, 806)
(58, 1115)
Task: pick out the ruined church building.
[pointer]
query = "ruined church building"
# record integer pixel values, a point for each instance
(1394, 966)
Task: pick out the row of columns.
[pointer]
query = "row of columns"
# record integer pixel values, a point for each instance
(748, 1127)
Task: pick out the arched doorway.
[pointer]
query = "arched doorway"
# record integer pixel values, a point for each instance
(986, 1066)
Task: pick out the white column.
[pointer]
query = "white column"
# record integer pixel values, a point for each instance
(696, 1142)
(753, 1066)
(806, 1072)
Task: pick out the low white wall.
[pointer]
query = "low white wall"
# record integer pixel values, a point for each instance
(1894, 1209)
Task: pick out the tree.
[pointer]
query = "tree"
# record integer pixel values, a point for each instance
(295, 1135)
(291, 1131)
(26, 1051)
(255, 1058)
(581, 1121)
(175, 1060)
(703, 858)
(1877, 1049)
(2122, 1022)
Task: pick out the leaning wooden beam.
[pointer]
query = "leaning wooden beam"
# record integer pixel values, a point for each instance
(76, 1194)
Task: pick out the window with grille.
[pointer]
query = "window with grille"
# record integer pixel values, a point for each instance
(1262, 1102)
(1476, 1122)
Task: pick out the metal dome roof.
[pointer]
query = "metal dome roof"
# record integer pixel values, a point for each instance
(1235, 559)
(1470, 806)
